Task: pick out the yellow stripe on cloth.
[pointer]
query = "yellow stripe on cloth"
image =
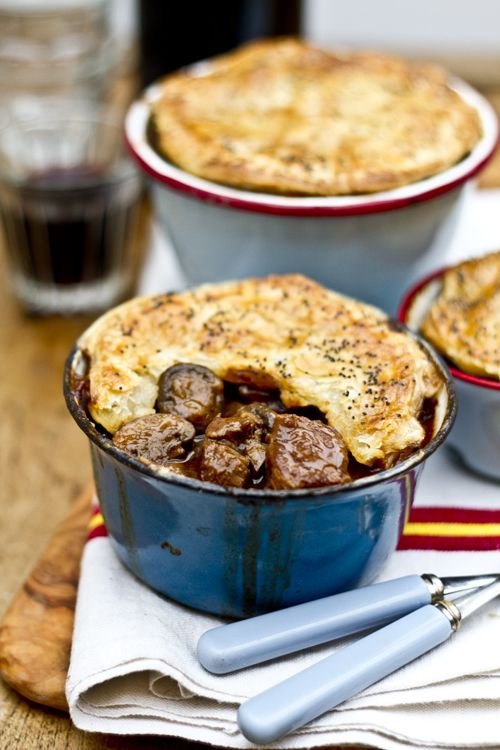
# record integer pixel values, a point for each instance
(452, 529)
(95, 521)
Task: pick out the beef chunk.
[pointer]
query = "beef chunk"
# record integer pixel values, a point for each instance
(222, 464)
(305, 453)
(158, 437)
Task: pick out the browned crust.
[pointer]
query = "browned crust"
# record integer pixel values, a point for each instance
(318, 347)
(282, 116)
(464, 321)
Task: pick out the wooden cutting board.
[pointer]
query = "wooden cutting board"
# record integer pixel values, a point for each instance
(36, 631)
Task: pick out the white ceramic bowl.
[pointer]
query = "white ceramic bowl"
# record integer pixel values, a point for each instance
(367, 246)
(475, 436)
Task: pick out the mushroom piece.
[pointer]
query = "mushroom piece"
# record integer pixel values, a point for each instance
(191, 391)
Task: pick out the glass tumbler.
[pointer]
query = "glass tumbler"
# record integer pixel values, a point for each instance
(50, 47)
(69, 200)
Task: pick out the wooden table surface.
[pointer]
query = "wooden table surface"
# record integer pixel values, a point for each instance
(44, 463)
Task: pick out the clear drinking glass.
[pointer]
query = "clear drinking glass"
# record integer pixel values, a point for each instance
(50, 47)
(68, 207)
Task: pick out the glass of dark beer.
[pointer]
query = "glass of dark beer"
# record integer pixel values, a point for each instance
(68, 207)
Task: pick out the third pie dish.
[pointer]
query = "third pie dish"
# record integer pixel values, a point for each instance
(463, 322)
(274, 382)
(281, 116)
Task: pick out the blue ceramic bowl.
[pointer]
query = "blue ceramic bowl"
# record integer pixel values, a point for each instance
(241, 552)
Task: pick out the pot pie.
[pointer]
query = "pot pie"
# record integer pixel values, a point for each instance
(463, 322)
(270, 382)
(282, 116)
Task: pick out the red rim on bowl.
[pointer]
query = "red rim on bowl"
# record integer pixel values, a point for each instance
(402, 316)
(136, 129)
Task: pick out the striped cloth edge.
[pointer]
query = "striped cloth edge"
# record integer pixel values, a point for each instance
(428, 528)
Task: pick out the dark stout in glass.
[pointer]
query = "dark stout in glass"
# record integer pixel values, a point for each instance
(68, 226)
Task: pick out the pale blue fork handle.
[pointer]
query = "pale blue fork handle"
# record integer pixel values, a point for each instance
(247, 642)
(308, 694)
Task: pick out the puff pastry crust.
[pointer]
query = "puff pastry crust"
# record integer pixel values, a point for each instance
(464, 320)
(287, 332)
(284, 117)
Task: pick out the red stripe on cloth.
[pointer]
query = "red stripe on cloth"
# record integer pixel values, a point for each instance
(454, 515)
(449, 543)
(98, 531)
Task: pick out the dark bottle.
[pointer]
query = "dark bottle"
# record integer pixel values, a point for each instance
(175, 34)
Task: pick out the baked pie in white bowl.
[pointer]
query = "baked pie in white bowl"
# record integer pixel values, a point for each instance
(280, 157)
(457, 309)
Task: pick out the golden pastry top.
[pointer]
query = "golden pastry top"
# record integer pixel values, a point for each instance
(286, 332)
(464, 320)
(282, 116)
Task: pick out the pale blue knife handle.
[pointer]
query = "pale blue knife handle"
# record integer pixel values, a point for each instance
(308, 694)
(241, 644)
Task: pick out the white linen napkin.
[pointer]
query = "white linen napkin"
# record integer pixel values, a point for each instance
(134, 668)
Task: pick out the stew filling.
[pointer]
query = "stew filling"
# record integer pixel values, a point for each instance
(240, 435)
